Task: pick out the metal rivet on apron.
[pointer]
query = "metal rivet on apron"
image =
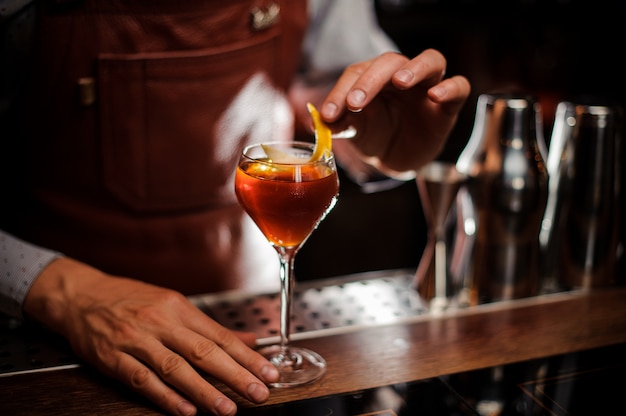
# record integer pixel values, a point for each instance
(86, 91)
(263, 18)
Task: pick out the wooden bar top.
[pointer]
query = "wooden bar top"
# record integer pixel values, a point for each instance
(361, 358)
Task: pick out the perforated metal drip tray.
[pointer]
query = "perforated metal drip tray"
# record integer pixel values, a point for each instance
(318, 306)
(28, 347)
(329, 305)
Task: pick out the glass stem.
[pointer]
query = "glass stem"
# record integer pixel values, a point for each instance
(287, 256)
(440, 268)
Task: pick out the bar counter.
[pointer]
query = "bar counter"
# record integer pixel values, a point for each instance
(408, 352)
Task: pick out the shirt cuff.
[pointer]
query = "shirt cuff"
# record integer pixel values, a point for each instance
(20, 265)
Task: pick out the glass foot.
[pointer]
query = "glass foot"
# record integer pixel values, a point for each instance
(297, 366)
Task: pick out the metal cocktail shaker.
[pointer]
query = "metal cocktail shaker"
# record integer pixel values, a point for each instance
(508, 188)
(579, 238)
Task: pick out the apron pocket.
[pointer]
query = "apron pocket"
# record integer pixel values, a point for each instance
(161, 150)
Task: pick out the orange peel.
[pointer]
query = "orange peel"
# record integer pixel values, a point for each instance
(323, 135)
(323, 142)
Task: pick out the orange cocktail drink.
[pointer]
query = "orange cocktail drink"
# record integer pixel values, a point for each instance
(287, 188)
(286, 201)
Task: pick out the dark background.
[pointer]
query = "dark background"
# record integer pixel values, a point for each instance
(555, 50)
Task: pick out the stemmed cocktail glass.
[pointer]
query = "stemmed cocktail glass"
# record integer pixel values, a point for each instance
(287, 191)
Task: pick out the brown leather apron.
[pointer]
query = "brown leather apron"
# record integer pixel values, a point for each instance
(138, 111)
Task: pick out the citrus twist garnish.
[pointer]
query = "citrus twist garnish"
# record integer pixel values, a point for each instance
(323, 135)
(323, 142)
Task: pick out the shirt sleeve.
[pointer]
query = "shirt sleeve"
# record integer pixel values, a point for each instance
(20, 265)
(341, 33)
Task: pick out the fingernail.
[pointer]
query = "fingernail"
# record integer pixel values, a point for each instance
(225, 407)
(186, 409)
(404, 75)
(258, 392)
(269, 373)
(356, 98)
(329, 110)
(438, 91)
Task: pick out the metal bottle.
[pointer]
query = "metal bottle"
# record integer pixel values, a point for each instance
(504, 160)
(579, 238)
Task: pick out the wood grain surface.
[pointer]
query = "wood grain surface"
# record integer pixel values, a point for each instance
(362, 358)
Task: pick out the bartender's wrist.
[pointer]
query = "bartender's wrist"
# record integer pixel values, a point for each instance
(57, 287)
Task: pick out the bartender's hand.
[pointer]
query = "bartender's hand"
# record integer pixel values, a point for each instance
(149, 338)
(402, 109)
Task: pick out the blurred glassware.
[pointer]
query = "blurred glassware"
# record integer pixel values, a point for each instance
(580, 232)
(508, 185)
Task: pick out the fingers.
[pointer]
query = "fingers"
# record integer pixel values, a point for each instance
(428, 68)
(146, 382)
(228, 359)
(371, 79)
(248, 338)
(361, 82)
(390, 100)
(165, 371)
(236, 344)
(452, 92)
